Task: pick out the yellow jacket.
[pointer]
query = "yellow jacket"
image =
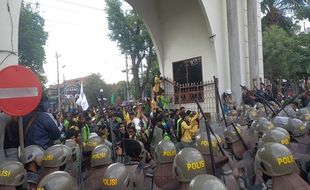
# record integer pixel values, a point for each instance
(126, 117)
(139, 114)
(153, 106)
(157, 82)
(186, 132)
(194, 124)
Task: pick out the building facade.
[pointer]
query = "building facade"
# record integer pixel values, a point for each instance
(69, 90)
(222, 36)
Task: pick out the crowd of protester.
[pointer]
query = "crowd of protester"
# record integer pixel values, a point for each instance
(146, 121)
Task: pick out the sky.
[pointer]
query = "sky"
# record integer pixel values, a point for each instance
(78, 31)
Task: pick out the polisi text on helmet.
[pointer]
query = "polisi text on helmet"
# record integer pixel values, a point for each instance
(195, 165)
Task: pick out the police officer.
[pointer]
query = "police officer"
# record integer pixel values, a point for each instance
(202, 144)
(298, 131)
(231, 116)
(234, 142)
(260, 109)
(58, 180)
(204, 181)
(92, 142)
(141, 166)
(89, 146)
(164, 155)
(100, 159)
(276, 135)
(224, 165)
(249, 114)
(259, 127)
(54, 158)
(276, 162)
(72, 167)
(187, 164)
(12, 174)
(33, 162)
(116, 177)
(300, 146)
(280, 121)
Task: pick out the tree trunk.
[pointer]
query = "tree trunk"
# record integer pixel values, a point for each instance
(136, 79)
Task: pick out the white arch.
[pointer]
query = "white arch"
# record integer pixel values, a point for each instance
(172, 25)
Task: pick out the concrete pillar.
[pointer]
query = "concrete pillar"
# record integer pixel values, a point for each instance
(234, 48)
(253, 40)
(9, 22)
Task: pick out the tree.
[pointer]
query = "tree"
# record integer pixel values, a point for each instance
(286, 56)
(277, 53)
(301, 48)
(148, 87)
(280, 12)
(127, 29)
(32, 39)
(92, 87)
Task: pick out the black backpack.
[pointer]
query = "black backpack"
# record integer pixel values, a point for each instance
(179, 129)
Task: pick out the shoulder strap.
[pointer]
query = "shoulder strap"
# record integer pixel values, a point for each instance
(30, 124)
(8, 130)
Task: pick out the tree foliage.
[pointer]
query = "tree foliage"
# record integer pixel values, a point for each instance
(282, 12)
(301, 52)
(286, 56)
(92, 87)
(127, 29)
(276, 52)
(32, 39)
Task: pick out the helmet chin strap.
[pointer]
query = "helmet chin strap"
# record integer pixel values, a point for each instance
(32, 177)
(267, 182)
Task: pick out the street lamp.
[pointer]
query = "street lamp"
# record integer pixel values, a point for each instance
(127, 78)
(64, 80)
(58, 88)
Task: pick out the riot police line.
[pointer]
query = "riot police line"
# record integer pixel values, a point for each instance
(268, 152)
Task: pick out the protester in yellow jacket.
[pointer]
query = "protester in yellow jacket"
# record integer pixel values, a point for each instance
(156, 86)
(186, 130)
(194, 122)
(154, 105)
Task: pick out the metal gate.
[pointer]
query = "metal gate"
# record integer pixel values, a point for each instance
(184, 95)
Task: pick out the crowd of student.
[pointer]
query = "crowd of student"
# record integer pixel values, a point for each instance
(147, 122)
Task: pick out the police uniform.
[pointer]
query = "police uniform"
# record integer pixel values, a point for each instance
(55, 157)
(187, 164)
(12, 174)
(100, 160)
(164, 155)
(277, 162)
(58, 180)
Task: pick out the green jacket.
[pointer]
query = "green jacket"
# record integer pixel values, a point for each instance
(85, 133)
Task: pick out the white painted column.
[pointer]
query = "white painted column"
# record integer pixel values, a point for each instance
(234, 48)
(9, 22)
(253, 40)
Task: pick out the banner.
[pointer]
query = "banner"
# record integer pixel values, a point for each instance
(82, 101)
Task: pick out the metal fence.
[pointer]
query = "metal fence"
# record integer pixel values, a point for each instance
(185, 95)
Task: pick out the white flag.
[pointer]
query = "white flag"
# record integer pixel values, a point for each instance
(82, 101)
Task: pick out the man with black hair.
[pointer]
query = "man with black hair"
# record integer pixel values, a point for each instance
(168, 125)
(74, 134)
(40, 127)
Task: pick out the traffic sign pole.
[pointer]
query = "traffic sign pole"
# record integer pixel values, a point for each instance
(20, 94)
(21, 140)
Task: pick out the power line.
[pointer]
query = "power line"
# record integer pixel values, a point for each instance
(61, 9)
(73, 24)
(80, 5)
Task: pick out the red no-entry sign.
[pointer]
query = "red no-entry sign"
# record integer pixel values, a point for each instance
(20, 90)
